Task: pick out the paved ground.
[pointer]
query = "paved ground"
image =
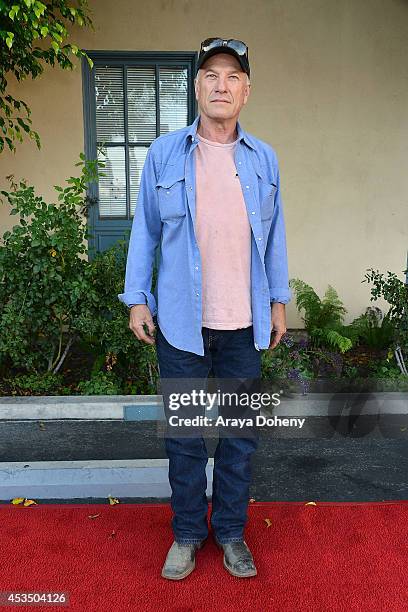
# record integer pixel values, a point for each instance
(328, 461)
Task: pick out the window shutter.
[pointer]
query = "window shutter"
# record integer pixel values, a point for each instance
(131, 98)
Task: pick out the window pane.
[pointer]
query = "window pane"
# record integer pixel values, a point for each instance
(112, 187)
(109, 104)
(173, 98)
(137, 157)
(141, 104)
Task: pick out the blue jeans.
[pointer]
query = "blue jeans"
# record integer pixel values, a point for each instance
(230, 354)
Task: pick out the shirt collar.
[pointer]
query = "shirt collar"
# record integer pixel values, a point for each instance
(242, 135)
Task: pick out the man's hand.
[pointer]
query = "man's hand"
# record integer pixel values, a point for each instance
(278, 323)
(140, 315)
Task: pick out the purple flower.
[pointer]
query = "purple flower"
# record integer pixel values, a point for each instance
(294, 373)
(287, 341)
(303, 343)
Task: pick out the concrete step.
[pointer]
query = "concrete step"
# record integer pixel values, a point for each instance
(143, 478)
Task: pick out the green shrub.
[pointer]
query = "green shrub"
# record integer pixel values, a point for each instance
(373, 329)
(101, 383)
(323, 318)
(105, 330)
(45, 284)
(35, 384)
(52, 297)
(395, 292)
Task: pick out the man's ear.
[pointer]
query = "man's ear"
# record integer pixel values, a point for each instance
(247, 92)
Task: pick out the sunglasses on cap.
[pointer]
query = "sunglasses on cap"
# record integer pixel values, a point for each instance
(235, 47)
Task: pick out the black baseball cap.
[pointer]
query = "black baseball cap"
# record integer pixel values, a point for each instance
(212, 46)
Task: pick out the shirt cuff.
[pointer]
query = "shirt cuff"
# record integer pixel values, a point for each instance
(280, 294)
(131, 298)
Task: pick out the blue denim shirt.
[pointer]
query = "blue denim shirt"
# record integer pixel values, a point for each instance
(165, 216)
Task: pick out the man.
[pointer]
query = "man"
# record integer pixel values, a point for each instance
(210, 195)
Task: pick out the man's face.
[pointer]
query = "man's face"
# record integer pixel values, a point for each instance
(221, 87)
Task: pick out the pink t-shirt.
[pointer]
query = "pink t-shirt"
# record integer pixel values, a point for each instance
(223, 236)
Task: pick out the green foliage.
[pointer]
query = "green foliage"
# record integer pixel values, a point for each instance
(395, 292)
(35, 384)
(52, 298)
(349, 371)
(22, 23)
(45, 283)
(323, 318)
(105, 329)
(102, 383)
(385, 369)
(374, 330)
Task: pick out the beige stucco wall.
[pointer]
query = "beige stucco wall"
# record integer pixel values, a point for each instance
(329, 93)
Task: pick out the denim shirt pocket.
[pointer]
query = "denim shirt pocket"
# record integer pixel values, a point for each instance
(267, 191)
(171, 193)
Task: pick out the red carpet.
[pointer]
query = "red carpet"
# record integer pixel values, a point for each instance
(325, 558)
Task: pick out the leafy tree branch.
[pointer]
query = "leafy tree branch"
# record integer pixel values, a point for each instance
(22, 24)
